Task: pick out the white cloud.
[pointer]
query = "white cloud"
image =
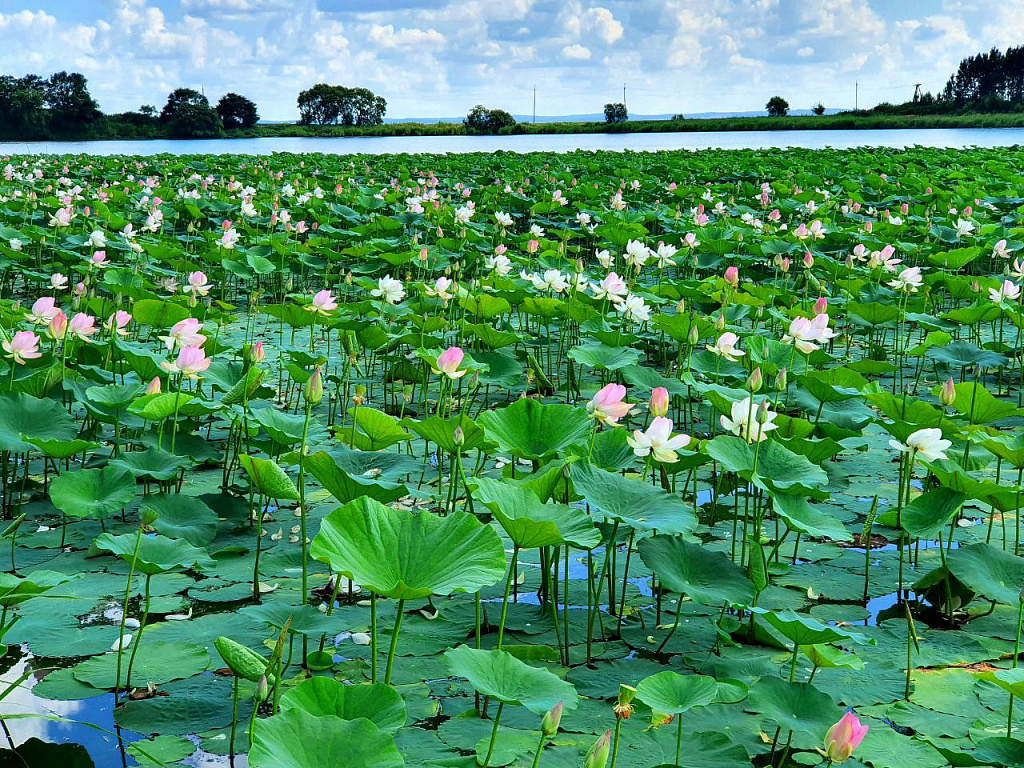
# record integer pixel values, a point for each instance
(805, 51)
(576, 52)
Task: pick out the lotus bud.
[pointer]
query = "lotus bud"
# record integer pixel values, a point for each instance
(314, 389)
(459, 437)
(681, 306)
(947, 395)
(732, 276)
(808, 260)
(549, 724)
(759, 312)
(849, 261)
(820, 306)
(348, 278)
(624, 705)
(262, 689)
(784, 265)
(844, 737)
(579, 266)
(762, 412)
(755, 380)
(659, 402)
(781, 380)
(597, 755)
(154, 386)
(257, 354)
(694, 335)
(720, 323)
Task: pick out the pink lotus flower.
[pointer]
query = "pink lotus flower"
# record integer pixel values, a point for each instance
(726, 347)
(448, 363)
(184, 334)
(154, 386)
(607, 405)
(323, 303)
(58, 326)
(23, 346)
(99, 259)
(732, 276)
(58, 281)
(658, 441)
(844, 737)
(611, 287)
(190, 363)
(82, 325)
(118, 323)
(44, 309)
(197, 283)
(659, 401)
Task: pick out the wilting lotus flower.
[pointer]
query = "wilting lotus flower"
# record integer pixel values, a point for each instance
(190, 363)
(23, 346)
(323, 303)
(607, 405)
(1008, 290)
(726, 347)
(612, 287)
(58, 281)
(82, 325)
(659, 401)
(389, 289)
(844, 737)
(926, 443)
(197, 283)
(44, 309)
(744, 421)
(448, 363)
(118, 323)
(658, 440)
(184, 333)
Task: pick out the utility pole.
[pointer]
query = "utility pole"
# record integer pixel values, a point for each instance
(535, 103)
(917, 92)
(623, 94)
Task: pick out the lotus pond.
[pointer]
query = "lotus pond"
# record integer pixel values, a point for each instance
(708, 460)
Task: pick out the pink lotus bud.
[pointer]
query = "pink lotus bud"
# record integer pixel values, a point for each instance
(732, 276)
(154, 386)
(448, 363)
(808, 260)
(784, 265)
(904, 209)
(257, 354)
(844, 737)
(820, 306)
(532, 246)
(552, 718)
(947, 395)
(659, 402)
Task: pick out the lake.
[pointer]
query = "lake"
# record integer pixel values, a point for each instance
(649, 142)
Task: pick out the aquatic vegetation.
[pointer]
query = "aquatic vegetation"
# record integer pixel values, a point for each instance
(693, 459)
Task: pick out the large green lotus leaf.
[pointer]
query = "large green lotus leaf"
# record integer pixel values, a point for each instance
(805, 518)
(156, 554)
(633, 502)
(647, 379)
(377, 430)
(381, 465)
(93, 493)
(161, 750)
(532, 430)
(152, 464)
(883, 747)
(531, 523)
(160, 406)
(1010, 680)
(705, 576)
(155, 662)
(268, 478)
(23, 416)
(381, 704)
(61, 449)
(182, 517)
(441, 432)
(502, 676)
(602, 356)
(960, 354)
(1008, 447)
(404, 555)
(778, 468)
(190, 706)
(345, 487)
(285, 428)
(930, 513)
(989, 571)
(804, 630)
(17, 589)
(112, 396)
(297, 739)
(979, 405)
(796, 707)
(1000, 750)
(158, 313)
(672, 694)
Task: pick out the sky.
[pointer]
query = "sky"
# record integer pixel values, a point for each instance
(433, 58)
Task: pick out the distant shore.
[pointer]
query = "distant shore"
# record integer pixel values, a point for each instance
(107, 131)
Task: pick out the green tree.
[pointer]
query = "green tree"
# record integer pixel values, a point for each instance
(66, 95)
(818, 109)
(325, 104)
(236, 111)
(21, 106)
(483, 120)
(188, 115)
(777, 107)
(615, 113)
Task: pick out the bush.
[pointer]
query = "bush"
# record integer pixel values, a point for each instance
(615, 113)
(777, 107)
(818, 109)
(483, 120)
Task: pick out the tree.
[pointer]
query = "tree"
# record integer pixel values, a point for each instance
(615, 113)
(188, 115)
(325, 104)
(148, 110)
(66, 95)
(236, 111)
(777, 107)
(990, 78)
(818, 109)
(483, 120)
(21, 105)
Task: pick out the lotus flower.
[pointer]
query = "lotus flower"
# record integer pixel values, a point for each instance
(658, 440)
(190, 363)
(726, 347)
(118, 323)
(184, 334)
(389, 289)
(1008, 290)
(612, 287)
(448, 363)
(743, 421)
(82, 325)
(58, 281)
(926, 443)
(323, 303)
(58, 326)
(844, 737)
(197, 283)
(607, 405)
(23, 346)
(908, 281)
(44, 309)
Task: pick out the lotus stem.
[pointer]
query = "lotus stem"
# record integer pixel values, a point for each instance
(394, 642)
(494, 733)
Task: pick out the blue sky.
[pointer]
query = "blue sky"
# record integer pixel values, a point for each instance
(440, 57)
